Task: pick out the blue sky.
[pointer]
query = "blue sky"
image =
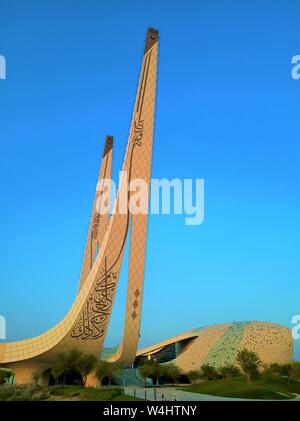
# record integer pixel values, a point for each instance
(227, 111)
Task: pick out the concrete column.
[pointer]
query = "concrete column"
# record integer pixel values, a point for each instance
(92, 380)
(24, 370)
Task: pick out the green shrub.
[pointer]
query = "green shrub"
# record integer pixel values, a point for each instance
(209, 372)
(230, 371)
(295, 372)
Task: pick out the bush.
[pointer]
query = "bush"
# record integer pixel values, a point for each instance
(151, 368)
(295, 371)
(105, 369)
(72, 364)
(172, 372)
(283, 370)
(4, 375)
(209, 372)
(230, 371)
(145, 371)
(194, 376)
(19, 393)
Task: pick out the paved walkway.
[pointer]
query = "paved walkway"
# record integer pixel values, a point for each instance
(173, 394)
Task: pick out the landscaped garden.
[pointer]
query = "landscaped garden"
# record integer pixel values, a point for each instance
(248, 379)
(61, 393)
(238, 387)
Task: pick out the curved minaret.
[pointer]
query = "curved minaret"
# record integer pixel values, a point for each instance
(98, 221)
(86, 324)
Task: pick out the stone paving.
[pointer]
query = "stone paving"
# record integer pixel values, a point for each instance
(173, 394)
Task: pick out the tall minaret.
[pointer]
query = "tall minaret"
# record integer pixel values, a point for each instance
(85, 325)
(93, 320)
(98, 221)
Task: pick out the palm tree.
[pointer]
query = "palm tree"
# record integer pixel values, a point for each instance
(249, 362)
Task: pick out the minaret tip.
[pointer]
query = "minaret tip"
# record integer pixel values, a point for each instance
(151, 38)
(108, 144)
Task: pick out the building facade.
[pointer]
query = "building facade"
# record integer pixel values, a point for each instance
(218, 345)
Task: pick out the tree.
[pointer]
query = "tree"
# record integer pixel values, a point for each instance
(229, 371)
(172, 371)
(286, 370)
(282, 370)
(4, 375)
(66, 364)
(145, 371)
(57, 368)
(295, 372)
(249, 362)
(194, 375)
(157, 370)
(72, 363)
(154, 370)
(209, 372)
(36, 375)
(274, 368)
(85, 365)
(100, 372)
(105, 369)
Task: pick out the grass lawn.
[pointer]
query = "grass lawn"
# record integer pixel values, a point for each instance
(262, 388)
(61, 393)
